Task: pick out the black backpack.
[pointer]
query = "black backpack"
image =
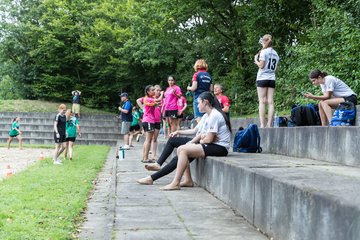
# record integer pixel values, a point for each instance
(307, 115)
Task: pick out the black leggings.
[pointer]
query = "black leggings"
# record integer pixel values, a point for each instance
(172, 143)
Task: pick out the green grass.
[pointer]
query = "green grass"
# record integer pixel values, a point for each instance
(39, 106)
(46, 200)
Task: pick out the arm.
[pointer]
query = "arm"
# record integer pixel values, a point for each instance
(124, 110)
(78, 129)
(260, 63)
(139, 103)
(211, 87)
(193, 87)
(327, 95)
(225, 109)
(184, 132)
(56, 129)
(208, 137)
(183, 109)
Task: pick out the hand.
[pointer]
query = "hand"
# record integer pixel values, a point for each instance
(79, 134)
(120, 109)
(173, 91)
(308, 95)
(57, 135)
(173, 134)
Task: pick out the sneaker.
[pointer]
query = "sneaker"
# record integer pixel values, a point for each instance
(57, 162)
(125, 147)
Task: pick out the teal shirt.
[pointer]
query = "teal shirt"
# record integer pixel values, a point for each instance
(136, 116)
(15, 125)
(71, 127)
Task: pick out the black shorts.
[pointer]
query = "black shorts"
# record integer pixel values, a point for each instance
(265, 83)
(352, 98)
(157, 126)
(135, 128)
(148, 127)
(214, 150)
(61, 139)
(71, 139)
(14, 135)
(171, 114)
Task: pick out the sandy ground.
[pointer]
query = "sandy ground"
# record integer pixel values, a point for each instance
(20, 159)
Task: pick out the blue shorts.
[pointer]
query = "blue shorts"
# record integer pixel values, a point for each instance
(197, 113)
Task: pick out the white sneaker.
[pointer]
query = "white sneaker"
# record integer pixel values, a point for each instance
(57, 162)
(125, 147)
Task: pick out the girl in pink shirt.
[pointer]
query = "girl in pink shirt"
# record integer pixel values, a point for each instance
(172, 94)
(148, 104)
(181, 108)
(157, 119)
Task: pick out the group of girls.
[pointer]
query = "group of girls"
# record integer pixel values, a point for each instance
(159, 106)
(66, 128)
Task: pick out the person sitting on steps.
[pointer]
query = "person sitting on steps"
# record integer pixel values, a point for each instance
(334, 92)
(212, 139)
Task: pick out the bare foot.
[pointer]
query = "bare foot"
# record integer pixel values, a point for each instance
(145, 181)
(170, 187)
(187, 184)
(152, 167)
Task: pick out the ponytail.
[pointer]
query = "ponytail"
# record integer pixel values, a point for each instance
(210, 97)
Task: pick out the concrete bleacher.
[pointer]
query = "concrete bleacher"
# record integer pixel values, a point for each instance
(38, 128)
(304, 185)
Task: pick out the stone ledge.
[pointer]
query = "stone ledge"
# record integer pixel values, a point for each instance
(287, 198)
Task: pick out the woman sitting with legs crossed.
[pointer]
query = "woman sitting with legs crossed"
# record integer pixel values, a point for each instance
(212, 139)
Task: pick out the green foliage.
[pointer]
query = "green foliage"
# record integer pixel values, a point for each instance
(8, 89)
(46, 200)
(106, 47)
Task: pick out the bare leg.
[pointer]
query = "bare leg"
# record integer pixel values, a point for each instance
(329, 104)
(66, 150)
(147, 145)
(187, 182)
(155, 143)
(271, 107)
(184, 152)
(71, 149)
(322, 115)
(131, 136)
(126, 139)
(8, 142)
(20, 142)
(262, 105)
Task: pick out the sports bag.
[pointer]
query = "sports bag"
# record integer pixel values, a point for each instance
(307, 115)
(344, 115)
(247, 140)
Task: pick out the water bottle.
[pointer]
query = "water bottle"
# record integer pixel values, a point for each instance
(276, 120)
(121, 154)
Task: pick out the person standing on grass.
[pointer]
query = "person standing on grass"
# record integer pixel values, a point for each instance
(334, 91)
(172, 94)
(223, 100)
(266, 60)
(15, 133)
(135, 127)
(60, 133)
(201, 82)
(182, 105)
(72, 129)
(76, 103)
(126, 118)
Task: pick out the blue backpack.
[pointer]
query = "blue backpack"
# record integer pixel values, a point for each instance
(247, 140)
(344, 115)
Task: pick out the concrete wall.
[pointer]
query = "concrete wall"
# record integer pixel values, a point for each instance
(331, 144)
(285, 203)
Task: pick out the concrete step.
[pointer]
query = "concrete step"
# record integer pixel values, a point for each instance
(81, 141)
(50, 127)
(112, 122)
(50, 134)
(331, 144)
(286, 197)
(52, 115)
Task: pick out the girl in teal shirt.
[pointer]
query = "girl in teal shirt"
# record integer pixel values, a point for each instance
(72, 129)
(15, 132)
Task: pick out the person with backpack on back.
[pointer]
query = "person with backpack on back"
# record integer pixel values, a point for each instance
(266, 60)
(334, 90)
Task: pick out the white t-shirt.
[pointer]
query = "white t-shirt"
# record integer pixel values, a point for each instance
(336, 86)
(271, 60)
(215, 123)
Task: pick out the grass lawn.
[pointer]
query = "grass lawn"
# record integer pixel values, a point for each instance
(39, 106)
(46, 200)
